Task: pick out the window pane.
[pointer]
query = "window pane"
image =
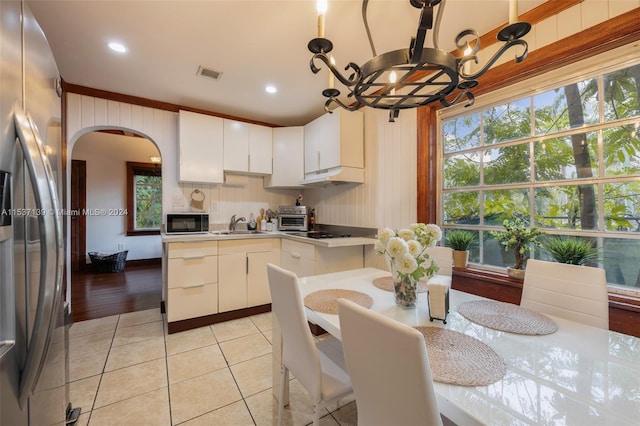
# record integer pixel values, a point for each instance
(462, 170)
(570, 157)
(621, 261)
(494, 253)
(461, 133)
(507, 122)
(148, 202)
(622, 206)
(504, 204)
(622, 150)
(566, 207)
(542, 254)
(566, 107)
(509, 164)
(621, 93)
(462, 208)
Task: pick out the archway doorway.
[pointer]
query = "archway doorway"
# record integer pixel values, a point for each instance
(99, 223)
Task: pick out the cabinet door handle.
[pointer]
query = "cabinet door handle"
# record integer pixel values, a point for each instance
(247, 272)
(295, 255)
(197, 256)
(192, 286)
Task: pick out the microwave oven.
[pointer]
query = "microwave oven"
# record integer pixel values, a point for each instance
(187, 223)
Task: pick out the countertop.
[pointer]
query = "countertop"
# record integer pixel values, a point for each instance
(322, 242)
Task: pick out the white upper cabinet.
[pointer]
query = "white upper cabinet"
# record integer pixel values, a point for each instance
(288, 158)
(201, 148)
(247, 147)
(260, 149)
(236, 146)
(334, 140)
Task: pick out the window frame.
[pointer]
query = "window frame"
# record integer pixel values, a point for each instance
(138, 169)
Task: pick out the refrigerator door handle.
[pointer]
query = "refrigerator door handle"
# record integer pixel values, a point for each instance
(50, 285)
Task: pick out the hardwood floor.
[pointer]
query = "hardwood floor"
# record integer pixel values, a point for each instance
(137, 288)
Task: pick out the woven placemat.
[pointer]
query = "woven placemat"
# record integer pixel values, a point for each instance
(386, 283)
(460, 359)
(326, 301)
(507, 317)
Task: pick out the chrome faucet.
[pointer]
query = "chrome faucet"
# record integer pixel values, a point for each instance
(234, 222)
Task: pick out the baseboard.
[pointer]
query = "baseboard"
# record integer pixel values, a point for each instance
(143, 262)
(191, 323)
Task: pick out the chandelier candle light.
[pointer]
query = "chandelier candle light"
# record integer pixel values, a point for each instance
(417, 75)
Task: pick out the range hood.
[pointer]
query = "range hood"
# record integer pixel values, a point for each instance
(334, 176)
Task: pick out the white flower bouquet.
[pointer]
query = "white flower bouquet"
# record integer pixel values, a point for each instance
(406, 249)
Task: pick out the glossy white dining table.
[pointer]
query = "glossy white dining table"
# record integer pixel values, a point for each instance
(579, 375)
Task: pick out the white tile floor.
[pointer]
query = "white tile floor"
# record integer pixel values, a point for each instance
(126, 370)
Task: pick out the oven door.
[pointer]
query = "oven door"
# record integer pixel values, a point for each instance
(293, 222)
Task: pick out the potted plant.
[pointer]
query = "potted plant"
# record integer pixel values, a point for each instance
(520, 239)
(571, 250)
(460, 241)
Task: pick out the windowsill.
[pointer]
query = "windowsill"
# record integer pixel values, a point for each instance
(489, 276)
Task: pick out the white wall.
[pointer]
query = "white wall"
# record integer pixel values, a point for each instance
(244, 196)
(106, 156)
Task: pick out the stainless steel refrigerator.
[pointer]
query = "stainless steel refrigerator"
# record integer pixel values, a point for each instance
(33, 335)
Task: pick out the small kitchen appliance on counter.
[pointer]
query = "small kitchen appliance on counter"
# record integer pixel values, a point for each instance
(187, 223)
(293, 218)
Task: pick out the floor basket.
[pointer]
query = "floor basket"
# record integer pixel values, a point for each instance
(108, 262)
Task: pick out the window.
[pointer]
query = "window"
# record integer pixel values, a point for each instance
(144, 198)
(565, 159)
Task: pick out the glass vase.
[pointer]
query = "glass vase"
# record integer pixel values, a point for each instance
(405, 288)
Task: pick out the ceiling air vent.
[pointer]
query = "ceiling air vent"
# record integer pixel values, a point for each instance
(206, 72)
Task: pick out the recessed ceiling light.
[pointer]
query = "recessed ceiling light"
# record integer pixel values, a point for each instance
(117, 47)
(270, 89)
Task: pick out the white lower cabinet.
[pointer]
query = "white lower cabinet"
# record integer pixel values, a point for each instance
(203, 278)
(192, 280)
(242, 273)
(307, 259)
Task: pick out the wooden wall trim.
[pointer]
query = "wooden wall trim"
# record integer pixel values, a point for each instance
(427, 184)
(149, 103)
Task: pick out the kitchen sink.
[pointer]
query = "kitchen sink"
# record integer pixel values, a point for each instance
(238, 232)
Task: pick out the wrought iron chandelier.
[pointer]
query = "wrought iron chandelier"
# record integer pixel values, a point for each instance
(417, 75)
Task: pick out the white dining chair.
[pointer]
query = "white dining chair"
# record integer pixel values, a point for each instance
(389, 369)
(444, 258)
(578, 293)
(318, 365)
